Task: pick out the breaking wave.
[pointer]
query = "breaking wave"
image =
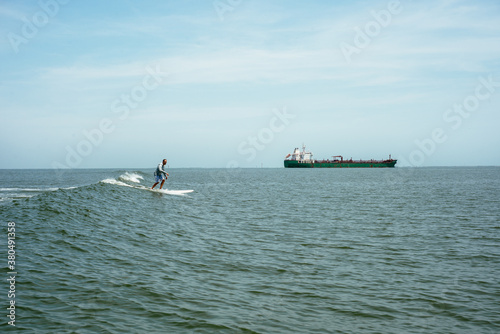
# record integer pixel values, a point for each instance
(131, 177)
(131, 180)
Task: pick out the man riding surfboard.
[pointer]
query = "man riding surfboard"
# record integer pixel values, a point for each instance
(160, 174)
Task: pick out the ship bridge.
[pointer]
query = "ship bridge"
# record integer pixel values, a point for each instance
(300, 156)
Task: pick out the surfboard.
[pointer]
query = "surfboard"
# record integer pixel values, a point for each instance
(171, 192)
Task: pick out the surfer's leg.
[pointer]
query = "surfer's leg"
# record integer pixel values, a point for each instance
(154, 185)
(162, 182)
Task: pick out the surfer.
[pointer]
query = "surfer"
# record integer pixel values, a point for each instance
(160, 174)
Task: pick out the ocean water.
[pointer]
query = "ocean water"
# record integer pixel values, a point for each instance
(403, 250)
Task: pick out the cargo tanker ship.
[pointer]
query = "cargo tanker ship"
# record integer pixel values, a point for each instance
(303, 159)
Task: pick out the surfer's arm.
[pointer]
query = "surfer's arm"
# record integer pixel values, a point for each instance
(162, 171)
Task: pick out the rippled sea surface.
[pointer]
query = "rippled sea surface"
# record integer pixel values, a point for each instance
(403, 250)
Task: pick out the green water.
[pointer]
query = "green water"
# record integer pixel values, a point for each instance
(255, 251)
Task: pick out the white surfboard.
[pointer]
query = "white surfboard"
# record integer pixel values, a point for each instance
(172, 192)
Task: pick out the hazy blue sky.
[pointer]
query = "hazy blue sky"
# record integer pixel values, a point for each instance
(211, 83)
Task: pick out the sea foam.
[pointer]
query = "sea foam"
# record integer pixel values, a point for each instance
(131, 177)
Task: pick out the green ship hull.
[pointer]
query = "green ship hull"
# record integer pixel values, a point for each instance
(303, 159)
(339, 164)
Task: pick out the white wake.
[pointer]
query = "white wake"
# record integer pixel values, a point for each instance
(135, 178)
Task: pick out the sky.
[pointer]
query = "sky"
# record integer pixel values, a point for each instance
(241, 83)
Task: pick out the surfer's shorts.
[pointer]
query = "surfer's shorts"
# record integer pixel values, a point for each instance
(159, 178)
